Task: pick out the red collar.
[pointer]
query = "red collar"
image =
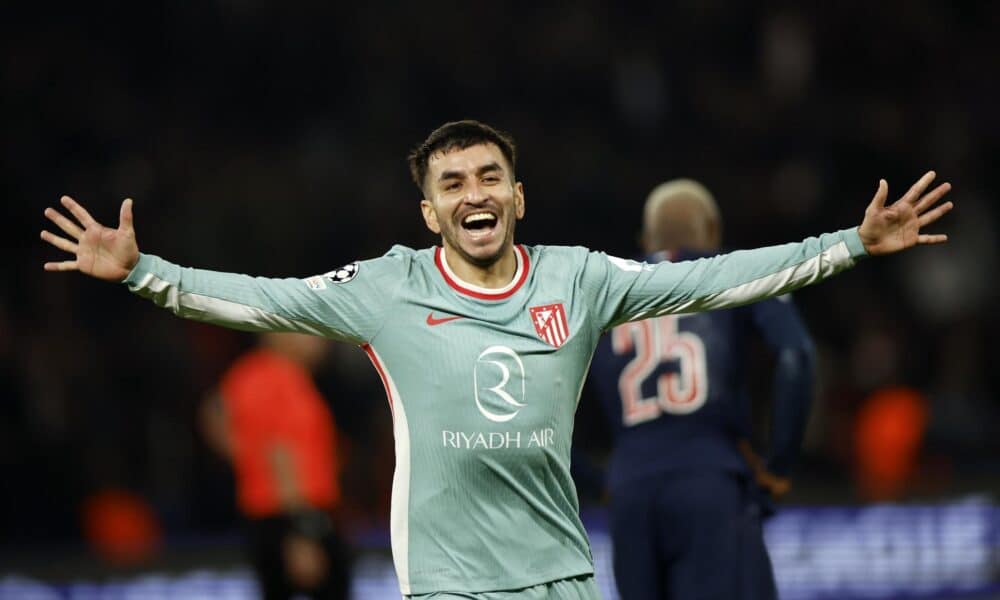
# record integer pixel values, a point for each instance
(520, 276)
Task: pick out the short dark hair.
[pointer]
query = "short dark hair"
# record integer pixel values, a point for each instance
(458, 135)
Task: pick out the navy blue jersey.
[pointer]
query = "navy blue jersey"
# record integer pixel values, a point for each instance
(674, 388)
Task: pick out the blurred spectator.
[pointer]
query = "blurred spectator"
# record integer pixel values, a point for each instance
(121, 527)
(273, 424)
(888, 436)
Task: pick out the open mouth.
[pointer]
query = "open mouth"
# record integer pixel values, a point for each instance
(479, 222)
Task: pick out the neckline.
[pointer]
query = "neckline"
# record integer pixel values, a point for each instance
(475, 291)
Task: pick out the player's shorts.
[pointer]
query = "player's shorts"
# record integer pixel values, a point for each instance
(574, 588)
(689, 534)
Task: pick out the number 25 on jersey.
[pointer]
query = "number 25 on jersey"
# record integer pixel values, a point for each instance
(676, 359)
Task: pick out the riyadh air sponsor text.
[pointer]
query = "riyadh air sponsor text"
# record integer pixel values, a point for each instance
(498, 440)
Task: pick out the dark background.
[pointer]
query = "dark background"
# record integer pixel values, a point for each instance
(271, 140)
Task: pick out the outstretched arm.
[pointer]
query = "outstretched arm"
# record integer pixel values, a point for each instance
(351, 309)
(629, 291)
(98, 251)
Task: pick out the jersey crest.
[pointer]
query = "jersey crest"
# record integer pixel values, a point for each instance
(550, 323)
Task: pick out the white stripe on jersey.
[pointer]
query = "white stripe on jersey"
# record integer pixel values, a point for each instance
(399, 510)
(823, 265)
(184, 303)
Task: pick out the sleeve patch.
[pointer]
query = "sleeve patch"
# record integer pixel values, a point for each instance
(344, 273)
(316, 282)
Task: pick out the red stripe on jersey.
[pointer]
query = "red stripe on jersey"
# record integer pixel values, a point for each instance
(459, 287)
(381, 373)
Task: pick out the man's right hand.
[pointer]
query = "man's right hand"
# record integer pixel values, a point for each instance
(99, 251)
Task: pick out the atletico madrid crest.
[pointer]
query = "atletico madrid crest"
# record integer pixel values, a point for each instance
(550, 323)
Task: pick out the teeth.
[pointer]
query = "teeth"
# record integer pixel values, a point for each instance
(479, 217)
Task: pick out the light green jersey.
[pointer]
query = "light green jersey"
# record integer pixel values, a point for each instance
(483, 383)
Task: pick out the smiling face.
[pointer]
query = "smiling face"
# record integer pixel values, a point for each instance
(473, 202)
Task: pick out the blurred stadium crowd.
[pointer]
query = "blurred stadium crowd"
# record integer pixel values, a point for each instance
(270, 139)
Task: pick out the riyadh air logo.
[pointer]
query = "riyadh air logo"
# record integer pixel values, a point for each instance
(501, 366)
(499, 382)
(550, 323)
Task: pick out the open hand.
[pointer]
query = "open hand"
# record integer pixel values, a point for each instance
(888, 229)
(99, 251)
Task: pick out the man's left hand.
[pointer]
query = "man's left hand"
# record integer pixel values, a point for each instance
(888, 229)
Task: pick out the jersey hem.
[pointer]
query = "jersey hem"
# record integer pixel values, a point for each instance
(477, 586)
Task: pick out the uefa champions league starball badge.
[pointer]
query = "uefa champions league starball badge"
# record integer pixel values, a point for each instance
(344, 273)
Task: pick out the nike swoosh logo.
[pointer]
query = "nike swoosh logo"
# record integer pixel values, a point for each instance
(432, 321)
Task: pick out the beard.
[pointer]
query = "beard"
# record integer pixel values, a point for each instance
(450, 235)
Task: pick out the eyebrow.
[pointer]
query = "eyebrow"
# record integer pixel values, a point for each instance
(493, 166)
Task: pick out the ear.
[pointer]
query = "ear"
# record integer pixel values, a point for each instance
(430, 216)
(519, 200)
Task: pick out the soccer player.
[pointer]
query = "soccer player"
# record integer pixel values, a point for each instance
(682, 476)
(483, 346)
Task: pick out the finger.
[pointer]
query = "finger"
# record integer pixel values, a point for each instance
(933, 215)
(78, 211)
(917, 189)
(69, 227)
(926, 238)
(932, 197)
(878, 201)
(59, 242)
(125, 215)
(66, 265)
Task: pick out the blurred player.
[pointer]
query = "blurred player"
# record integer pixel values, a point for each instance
(684, 514)
(483, 346)
(272, 423)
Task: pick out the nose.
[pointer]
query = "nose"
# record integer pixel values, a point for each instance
(477, 193)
